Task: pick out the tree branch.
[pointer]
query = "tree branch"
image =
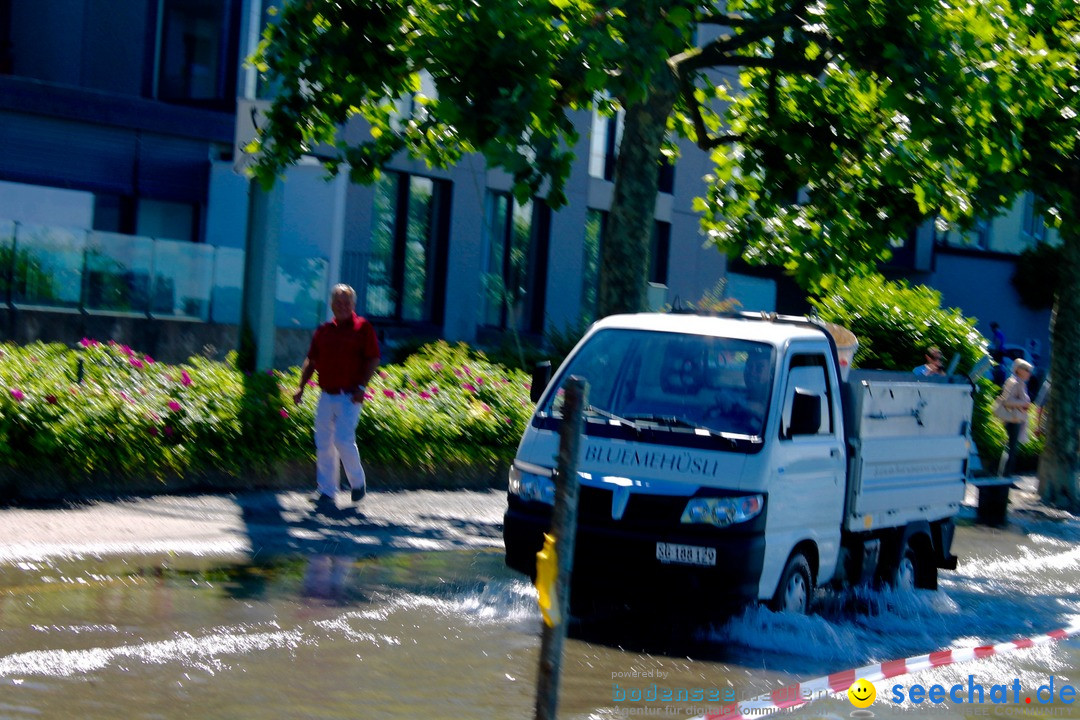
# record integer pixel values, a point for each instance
(724, 19)
(722, 47)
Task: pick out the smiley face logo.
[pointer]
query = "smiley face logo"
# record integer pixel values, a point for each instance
(862, 694)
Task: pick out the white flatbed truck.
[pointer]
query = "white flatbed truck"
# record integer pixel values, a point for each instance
(727, 460)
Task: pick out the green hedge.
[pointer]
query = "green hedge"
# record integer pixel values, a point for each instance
(443, 407)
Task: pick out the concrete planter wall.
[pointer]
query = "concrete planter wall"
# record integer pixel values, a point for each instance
(45, 484)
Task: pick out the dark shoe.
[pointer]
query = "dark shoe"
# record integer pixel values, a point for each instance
(359, 493)
(325, 504)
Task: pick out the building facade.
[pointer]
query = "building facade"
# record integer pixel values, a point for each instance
(121, 196)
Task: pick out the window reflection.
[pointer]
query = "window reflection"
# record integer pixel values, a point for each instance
(515, 258)
(118, 271)
(404, 270)
(48, 265)
(183, 275)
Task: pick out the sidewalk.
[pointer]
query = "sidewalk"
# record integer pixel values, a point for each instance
(251, 523)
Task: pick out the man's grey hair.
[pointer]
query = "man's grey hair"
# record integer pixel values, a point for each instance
(1021, 364)
(343, 288)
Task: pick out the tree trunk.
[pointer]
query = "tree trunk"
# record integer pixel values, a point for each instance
(1059, 466)
(624, 250)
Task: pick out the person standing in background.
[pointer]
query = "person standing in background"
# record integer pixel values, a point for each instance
(345, 353)
(1011, 408)
(933, 364)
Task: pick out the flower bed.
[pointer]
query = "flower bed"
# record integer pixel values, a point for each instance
(104, 418)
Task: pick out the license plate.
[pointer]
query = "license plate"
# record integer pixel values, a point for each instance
(685, 554)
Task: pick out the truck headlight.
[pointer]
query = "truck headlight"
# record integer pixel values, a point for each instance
(722, 511)
(530, 486)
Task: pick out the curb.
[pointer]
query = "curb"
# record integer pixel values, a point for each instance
(804, 693)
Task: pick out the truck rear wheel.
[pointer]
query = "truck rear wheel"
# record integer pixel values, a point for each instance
(914, 571)
(795, 589)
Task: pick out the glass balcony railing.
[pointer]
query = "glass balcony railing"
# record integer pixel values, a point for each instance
(67, 269)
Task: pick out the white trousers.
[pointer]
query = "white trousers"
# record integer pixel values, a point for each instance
(335, 440)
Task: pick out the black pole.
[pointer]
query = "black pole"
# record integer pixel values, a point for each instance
(563, 528)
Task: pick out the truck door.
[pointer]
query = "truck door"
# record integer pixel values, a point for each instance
(806, 487)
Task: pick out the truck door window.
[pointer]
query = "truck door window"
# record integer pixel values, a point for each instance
(807, 374)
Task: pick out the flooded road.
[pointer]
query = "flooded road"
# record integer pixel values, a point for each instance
(319, 626)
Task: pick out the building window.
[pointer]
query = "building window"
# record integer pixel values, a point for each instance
(1034, 228)
(595, 223)
(406, 268)
(604, 149)
(659, 251)
(197, 51)
(160, 219)
(515, 262)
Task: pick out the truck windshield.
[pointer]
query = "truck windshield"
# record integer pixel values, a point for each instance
(672, 380)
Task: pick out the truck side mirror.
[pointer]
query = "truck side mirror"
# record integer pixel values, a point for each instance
(805, 413)
(541, 376)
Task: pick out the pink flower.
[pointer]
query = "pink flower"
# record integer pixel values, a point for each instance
(485, 407)
(368, 395)
(153, 431)
(509, 421)
(388, 393)
(154, 416)
(425, 394)
(51, 399)
(284, 413)
(88, 342)
(434, 389)
(311, 383)
(17, 394)
(168, 431)
(135, 362)
(467, 370)
(126, 350)
(436, 366)
(479, 380)
(382, 374)
(174, 406)
(270, 371)
(149, 360)
(457, 372)
(470, 387)
(185, 379)
(124, 395)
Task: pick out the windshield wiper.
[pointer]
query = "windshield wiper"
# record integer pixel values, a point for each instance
(674, 421)
(671, 421)
(611, 416)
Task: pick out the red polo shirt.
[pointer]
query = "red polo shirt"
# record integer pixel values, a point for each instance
(338, 351)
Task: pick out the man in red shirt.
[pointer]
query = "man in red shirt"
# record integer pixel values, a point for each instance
(345, 353)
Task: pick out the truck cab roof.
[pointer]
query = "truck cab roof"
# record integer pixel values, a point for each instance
(746, 327)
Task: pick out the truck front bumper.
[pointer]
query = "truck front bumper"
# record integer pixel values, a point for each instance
(620, 564)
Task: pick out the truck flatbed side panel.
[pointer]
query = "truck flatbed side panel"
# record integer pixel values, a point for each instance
(895, 481)
(910, 442)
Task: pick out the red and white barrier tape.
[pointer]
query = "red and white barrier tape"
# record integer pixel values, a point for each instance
(795, 695)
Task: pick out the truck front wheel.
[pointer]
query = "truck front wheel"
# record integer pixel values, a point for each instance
(795, 589)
